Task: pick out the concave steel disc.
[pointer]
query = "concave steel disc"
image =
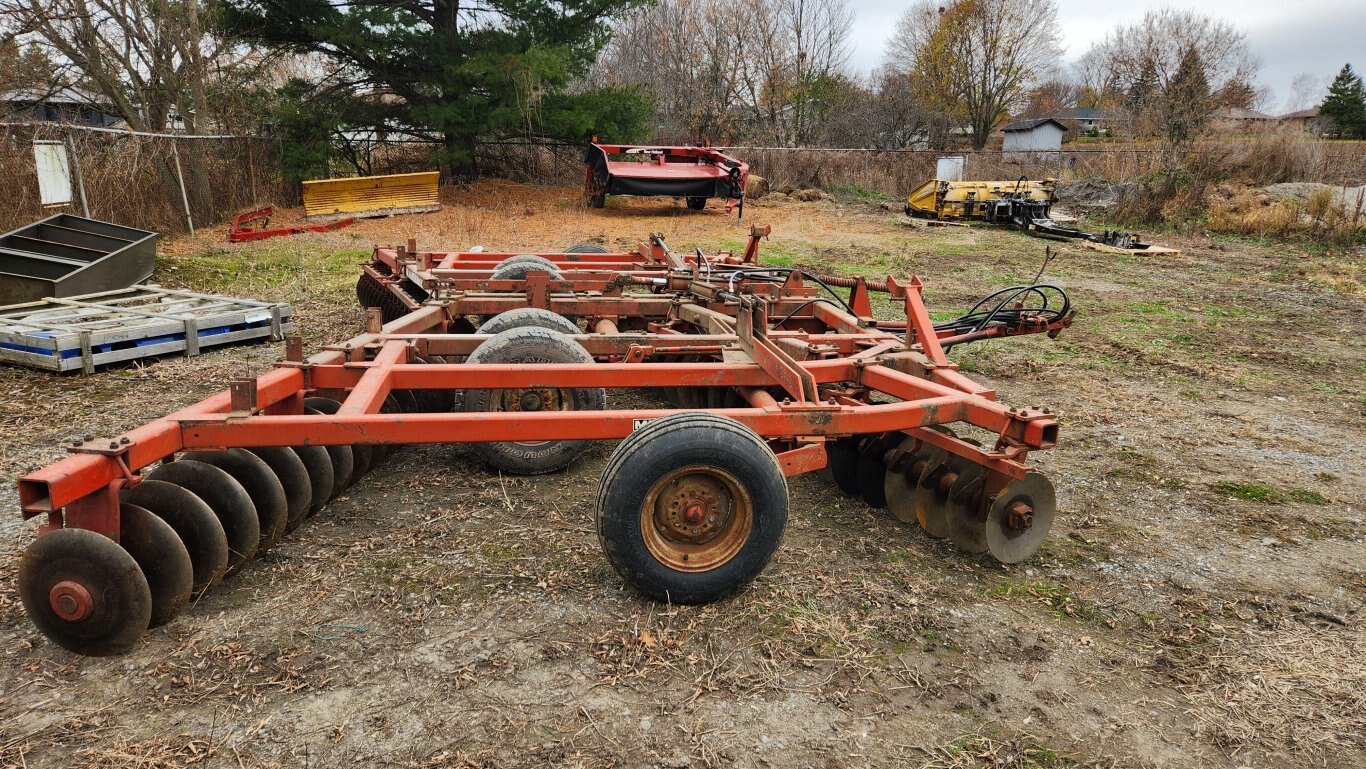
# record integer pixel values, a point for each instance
(1012, 545)
(228, 500)
(163, 558)
(84, 592)
(194, 523)
(961, 509)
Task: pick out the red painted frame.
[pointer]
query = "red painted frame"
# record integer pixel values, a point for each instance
(806, 381)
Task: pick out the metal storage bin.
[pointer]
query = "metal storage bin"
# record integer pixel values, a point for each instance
(65, 255)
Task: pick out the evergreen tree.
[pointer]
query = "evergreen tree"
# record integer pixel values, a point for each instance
(1141, 100)
(24, 67)
(1344, 109)
(1144, 87)
(1186, 101)
(456, 72)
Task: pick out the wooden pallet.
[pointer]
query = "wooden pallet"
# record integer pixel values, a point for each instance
(83, 332)
(1149, 251)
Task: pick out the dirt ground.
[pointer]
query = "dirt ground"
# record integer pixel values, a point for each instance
(1198, 603)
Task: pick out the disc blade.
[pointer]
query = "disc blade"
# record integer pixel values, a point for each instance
(871, 473)
(926, 502)
(362, 454)
(1009, 544)
(228, 500)
(194, 523)
(343, 463)
(84, 592)
(265, 489)
(319, 465)
(842, 457)
(293, 476)
(967, 531)
(900, 484)
(164, 561)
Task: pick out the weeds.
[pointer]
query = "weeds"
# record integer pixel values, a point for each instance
(1268, 495)
(1055, 597)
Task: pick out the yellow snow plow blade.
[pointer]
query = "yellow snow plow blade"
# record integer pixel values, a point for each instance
(372, 195)
(939, 199)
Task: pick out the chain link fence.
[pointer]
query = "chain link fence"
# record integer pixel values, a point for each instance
(147, 181)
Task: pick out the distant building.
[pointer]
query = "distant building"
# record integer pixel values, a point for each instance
(1239, 119)
(1042, 135)
(1306, 120)
(61, 105)
(1085, 120)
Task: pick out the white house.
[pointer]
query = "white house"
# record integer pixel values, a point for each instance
(1042, 135)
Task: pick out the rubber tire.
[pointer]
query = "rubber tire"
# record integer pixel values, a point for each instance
(697, 204)
(586, 248)
(528, 259)
(665, 445)
(532, 345)
(510, 270)
(597, 201)
(528, 317)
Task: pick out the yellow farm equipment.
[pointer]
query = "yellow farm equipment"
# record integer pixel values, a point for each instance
(1023, 204)
(938, 199)
(366, 196)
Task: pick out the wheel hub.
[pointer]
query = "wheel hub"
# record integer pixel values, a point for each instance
(693, 510)
(1020, 515)
(533, 399)
(696, 518)
(71, 601)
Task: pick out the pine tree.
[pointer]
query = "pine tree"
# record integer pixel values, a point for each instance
(1186, 101)
(456, 72)
(1344, 109)
(1144, 88)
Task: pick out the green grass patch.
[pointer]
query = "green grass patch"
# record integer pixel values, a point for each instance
(269, 265)
(850, 193)
(1055, 597)
(1267, 495)
(1248, 492)
(1307, 497)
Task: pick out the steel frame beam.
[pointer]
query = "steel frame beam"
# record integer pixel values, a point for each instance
(827, 377)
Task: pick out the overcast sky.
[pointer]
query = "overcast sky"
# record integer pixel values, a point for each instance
(1317, 36)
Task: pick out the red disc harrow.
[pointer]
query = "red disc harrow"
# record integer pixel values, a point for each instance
(771, 372)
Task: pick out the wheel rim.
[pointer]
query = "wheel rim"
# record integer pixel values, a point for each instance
(696, 518)
(534, 399)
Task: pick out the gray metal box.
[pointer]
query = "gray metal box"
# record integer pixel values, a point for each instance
(67, 255)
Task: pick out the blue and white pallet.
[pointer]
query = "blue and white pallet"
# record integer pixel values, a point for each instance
(84, 332)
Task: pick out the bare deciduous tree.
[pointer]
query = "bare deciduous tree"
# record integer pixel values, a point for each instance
(764, 70)
(976, 59)
(1306, 90)
(154, 61)
(1154, 48)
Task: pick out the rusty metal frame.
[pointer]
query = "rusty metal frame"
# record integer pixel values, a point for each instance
(807, 380)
